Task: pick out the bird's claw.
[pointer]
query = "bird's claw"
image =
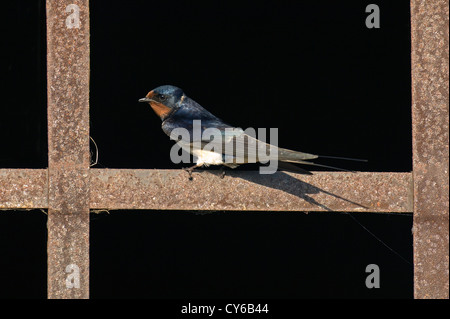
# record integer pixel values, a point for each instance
(222, 173)
(189, 170)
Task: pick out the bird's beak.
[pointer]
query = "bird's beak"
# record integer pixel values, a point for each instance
(148, 97)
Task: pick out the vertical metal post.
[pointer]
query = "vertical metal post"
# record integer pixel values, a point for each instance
(68, 140)
(430, 112)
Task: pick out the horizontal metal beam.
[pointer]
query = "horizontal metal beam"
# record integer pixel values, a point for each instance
(23, 188)
(239, 190)
(245, 190)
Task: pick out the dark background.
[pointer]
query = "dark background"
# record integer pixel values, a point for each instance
(314, 71)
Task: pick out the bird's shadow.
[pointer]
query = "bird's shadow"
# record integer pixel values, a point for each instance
(289, 184)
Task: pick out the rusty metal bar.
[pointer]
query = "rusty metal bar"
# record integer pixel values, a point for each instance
(23, 188)
(68, 139)
(430, 112)
(244, 190)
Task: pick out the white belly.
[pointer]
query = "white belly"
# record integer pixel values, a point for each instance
(207, 157)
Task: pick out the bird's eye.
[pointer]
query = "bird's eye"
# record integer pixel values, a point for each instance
(161, 97)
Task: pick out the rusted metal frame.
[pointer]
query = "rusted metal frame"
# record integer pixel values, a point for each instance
(68, 140)
(23, 188)
(243, 190)
(430, 113)
(246, 190)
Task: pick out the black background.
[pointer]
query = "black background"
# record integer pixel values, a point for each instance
(314, 71)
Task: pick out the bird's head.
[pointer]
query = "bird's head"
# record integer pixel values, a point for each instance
(164, 100)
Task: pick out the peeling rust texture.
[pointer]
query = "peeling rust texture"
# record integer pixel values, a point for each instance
(430, 113)
(250, 191)
(23, 188)
(68, 139)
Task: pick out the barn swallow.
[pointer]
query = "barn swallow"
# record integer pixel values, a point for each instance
(176, 110)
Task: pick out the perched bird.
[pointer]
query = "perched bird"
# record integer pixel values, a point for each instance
(234, 147)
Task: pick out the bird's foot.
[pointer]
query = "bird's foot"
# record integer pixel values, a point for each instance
(222, 172)
(190, 170)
